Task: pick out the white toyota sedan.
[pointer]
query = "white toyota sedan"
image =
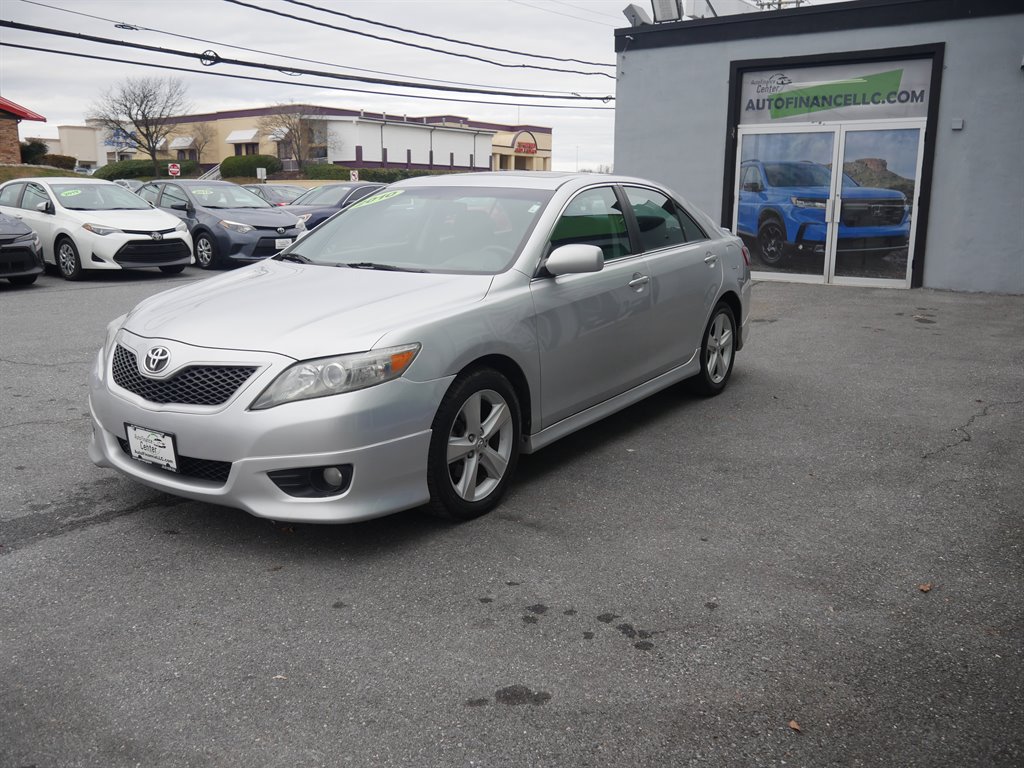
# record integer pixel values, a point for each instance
(89, 224)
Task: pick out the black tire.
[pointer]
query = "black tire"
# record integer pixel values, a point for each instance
(173, 269)
(454, 494)
(717, 353)
(771, 241)
(23, 279)
(69, 263)
(207, 256)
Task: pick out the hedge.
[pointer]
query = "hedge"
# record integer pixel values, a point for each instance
(59, 161)
(246, 165)
(382, 175)
(143, 169)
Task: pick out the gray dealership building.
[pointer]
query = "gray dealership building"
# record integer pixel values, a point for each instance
(873, 142)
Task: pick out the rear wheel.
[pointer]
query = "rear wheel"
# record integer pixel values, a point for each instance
(717, 352)
(206, 252)
(68, 262)
(474, 446)
(172, 269)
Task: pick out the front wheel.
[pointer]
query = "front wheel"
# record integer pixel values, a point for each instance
(717, 352)
(68, 263)
(771, 241)
(474, 445)
(206, 252)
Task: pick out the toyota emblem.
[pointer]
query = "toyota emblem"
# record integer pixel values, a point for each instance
(156, 235)
(157, 359)
(280, 230)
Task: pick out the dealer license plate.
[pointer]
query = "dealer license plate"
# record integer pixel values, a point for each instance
(152, 447)
(282, 242)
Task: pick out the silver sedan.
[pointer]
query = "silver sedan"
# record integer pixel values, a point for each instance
(410, 349)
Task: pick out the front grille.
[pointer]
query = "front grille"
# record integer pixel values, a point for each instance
(200, 469)
(872, 213)
(195, 385)
(17, 260)
(152, 252)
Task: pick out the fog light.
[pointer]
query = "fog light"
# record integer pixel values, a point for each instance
(334, 477)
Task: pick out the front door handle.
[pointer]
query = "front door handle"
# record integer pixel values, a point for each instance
(639, 281)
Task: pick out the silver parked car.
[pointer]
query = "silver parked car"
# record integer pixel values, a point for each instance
(408, 350)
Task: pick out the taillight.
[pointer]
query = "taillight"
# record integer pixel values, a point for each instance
(746, 255)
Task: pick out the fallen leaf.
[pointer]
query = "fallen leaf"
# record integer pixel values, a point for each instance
(795, 726)
(927, 587)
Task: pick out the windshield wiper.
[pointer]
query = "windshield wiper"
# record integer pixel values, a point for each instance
(298, 258)
(375, 265)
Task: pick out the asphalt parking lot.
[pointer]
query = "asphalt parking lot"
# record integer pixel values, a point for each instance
(823, 566)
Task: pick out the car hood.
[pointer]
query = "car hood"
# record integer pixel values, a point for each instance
(255, 217)
(302, 311)
(10, 226)
(849, 192)
(142, 220)
(298, 210)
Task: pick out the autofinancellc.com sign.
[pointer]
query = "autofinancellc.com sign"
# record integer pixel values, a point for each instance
(879, 90)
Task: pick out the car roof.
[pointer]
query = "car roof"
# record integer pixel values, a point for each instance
(549, 180)
(62, 180)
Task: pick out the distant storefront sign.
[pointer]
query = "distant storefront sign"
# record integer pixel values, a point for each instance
(879, 90)
(526, 148)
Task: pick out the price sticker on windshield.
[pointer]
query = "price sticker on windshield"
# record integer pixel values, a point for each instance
(70, 192)
(377, 198)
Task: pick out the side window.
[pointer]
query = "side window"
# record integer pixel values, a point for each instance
(656, 218)
(9, 195)
(359, 194)
(691, 229)
(172, 194)
(594, 217)
(34, 195)
(751, 178)
(149, 193)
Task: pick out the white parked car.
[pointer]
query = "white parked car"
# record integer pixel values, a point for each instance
(86, 224)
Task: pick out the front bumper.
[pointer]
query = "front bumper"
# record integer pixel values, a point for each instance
(20, 258)
(382, 433)
(133, 250)
(255, 245)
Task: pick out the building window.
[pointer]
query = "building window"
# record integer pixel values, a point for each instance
(247, 149)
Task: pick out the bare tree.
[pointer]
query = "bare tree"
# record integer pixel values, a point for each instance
(136, 113)
(298, 129)
(202, 135)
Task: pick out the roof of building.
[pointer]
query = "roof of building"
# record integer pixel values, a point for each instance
(6, 105)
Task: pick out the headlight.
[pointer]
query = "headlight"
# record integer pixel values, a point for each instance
(335, 375)
(304, 218)
(808, 202)
(235, 226)
(99, 229)
(181, 226)
(32, 237)
(112, 328)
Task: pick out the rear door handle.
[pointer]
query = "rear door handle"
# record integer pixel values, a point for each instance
(710, 259)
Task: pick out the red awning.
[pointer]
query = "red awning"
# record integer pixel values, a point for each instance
(19, 111)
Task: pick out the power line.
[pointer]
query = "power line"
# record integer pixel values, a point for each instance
(323, 87)
(139, 27)
(210, 58)
(415, 45)
(584, 10)
(442, 37)
(559, 13)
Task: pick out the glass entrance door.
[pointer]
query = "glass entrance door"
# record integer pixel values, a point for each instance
(876, 203)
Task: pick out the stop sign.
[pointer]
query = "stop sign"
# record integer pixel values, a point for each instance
(174, 169)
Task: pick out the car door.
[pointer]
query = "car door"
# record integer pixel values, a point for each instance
(173, 195)
(10, 198)
(43, 223)
(686, 273)
(750, 199)
(592, 328)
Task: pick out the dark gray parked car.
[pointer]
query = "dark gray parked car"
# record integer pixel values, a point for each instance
(320, 203)
(229, 224)
(21, 255)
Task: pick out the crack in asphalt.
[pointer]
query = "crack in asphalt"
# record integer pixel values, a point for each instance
(29, 529)
(38, 423)
(963, 429)
(9, 361)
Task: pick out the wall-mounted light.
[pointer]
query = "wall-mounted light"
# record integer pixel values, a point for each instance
(637, 16)
(667, 10)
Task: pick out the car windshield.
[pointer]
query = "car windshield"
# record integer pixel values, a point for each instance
(226, 196)
(466, 230)
(327, 196)
(97, 197)
(282, 194)
(797, 175)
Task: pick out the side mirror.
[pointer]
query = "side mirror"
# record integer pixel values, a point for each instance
(752, 186)
(575, 258)
(181, 207)
(46, 207)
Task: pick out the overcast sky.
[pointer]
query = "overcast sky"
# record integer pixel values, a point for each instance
(62, 88)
